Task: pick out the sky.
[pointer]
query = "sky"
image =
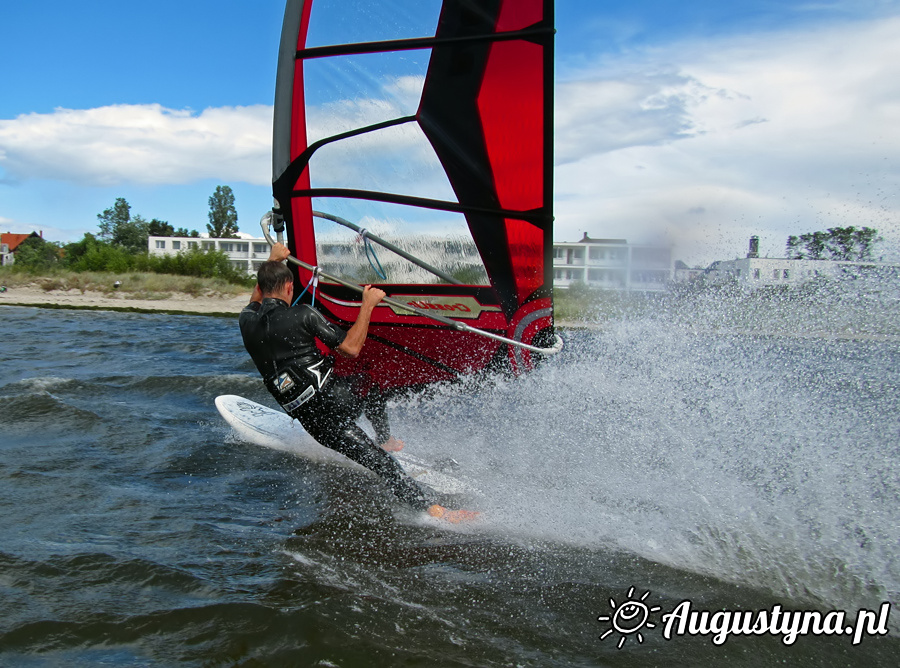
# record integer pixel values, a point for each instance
(696, 124)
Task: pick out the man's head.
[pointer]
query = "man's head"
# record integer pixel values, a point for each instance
(274, 278)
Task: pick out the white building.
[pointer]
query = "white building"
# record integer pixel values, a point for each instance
(348, 258)
(245, 253)
(612, 264)
(764, 271)
(754, 271)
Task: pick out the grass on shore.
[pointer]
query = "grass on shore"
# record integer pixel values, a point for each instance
(135, 285)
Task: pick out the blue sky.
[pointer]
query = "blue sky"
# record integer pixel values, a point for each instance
(695, 123)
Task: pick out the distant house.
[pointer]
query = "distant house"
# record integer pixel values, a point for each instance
(9, 243)
(613, 264)
(755, 272)
(684, 273)
(343, 257)
(245, 253)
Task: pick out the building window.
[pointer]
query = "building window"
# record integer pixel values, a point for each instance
(160, 244)
(208, 245)
(243, 248)
(595, 253)
(756, 274)
(574, 254)
(787, 274)
(176, 245)
(557, 274)
(226, 247)
(260, 248)
(558, 253)
(776, 273)
(192, 244)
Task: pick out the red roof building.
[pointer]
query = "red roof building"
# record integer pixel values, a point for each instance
(13, 240)
(10, 242)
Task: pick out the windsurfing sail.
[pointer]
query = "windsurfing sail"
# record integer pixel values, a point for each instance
(432, 121)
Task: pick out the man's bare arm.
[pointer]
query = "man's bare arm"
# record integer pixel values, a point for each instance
(278, 253)
(356, 335)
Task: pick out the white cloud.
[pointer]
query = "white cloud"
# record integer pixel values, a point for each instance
(703, 143)
(143, 144)
(153, 145)
(770, 134)
(598, 115)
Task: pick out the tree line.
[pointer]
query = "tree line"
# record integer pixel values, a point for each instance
(121, 244)
(836, 243)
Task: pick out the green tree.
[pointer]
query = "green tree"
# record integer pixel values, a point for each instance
(35, 253)
(222, 214)
(837, 243)
(132, 236)
(74, 251)
(810, 246)
(119, 228)
(183, 232)
(110, 219)
(161, 228)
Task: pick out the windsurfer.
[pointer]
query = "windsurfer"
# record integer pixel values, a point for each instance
(282, 342)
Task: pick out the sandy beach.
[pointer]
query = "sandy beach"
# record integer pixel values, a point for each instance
(175, 303)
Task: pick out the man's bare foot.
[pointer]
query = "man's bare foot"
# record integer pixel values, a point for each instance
(393, 444)
(452, 516)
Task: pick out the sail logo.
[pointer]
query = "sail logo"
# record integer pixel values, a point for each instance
(455, 306)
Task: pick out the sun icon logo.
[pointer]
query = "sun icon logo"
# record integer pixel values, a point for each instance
(629, 618)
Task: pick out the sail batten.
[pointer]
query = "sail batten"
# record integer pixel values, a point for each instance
(535, 32)
(484, 123)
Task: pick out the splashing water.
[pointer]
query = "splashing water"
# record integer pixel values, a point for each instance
(767, 461)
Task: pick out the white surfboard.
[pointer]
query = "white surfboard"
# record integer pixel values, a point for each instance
(275, 429)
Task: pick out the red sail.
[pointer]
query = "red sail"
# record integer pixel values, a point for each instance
(484, 111)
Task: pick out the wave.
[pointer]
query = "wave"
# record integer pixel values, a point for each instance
(758, 462)
(42, 412)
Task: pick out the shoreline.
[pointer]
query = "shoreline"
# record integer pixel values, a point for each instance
(175, 304)
(230, 307)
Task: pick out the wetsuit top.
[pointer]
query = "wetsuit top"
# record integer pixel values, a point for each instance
(277, 335)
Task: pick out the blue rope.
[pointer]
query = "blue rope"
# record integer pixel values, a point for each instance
(379, 271)
(311, 280)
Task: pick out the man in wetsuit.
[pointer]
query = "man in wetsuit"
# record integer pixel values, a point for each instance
(281, 339)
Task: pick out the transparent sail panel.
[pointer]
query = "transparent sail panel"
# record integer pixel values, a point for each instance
(440, 239)
(350, 21)
(346, 92)
(397, 160)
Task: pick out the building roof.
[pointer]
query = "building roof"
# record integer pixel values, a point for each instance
(15, 240)
(587, 240)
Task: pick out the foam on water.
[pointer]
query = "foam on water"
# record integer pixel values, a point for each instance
(763, 461)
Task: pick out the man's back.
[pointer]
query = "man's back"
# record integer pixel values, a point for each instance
(276, 334)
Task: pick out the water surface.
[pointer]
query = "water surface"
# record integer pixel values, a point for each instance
(736, 471)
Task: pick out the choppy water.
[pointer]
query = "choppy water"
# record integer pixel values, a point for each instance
(736, 471)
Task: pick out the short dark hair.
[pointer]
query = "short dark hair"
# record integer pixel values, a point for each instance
(272, 277)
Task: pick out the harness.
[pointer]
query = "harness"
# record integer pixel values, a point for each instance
(295, 384)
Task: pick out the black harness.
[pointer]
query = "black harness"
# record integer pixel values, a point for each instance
(294, 384)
